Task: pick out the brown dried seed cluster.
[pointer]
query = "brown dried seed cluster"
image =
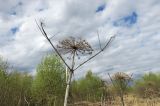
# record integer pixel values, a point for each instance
(72, 45)
(121, 76)
(150, 92)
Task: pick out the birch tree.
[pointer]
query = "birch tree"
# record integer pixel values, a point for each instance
(48, 85)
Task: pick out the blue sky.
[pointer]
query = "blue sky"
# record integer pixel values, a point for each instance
(136, 25)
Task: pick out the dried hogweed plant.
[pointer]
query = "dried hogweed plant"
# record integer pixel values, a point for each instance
(121, 76)
(73, 47)
(120, 81)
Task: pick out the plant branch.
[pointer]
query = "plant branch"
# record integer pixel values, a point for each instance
(54, 35)
(110, 40)
(46, 36)
(99, 40)
(111, 80)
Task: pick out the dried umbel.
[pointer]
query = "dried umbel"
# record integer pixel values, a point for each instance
(151, 93)
(72, 45)
(121, 76)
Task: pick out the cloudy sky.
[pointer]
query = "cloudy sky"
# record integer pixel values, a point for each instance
(136, 24)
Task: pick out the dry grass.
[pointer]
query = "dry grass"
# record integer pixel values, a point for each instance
(129, 101)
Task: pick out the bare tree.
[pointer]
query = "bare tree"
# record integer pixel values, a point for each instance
(73, 47)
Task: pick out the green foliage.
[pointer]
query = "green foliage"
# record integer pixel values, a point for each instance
(87, 88)
(47, 87)
(19, 88)
(49, 83)
(14, 88)
(3, 65)
(149, 83)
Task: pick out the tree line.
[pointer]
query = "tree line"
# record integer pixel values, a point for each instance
(47, 86)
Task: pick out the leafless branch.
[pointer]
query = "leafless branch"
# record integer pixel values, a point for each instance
(99, 40)
(54, 35)
(40, 29)
(111, 80)
(46, 36)
(107, 44)
(127, 83)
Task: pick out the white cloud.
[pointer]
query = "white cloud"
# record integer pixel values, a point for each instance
(135, 49)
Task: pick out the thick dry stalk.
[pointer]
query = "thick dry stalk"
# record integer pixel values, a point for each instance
(122, 98)
(69, 80)
(67, 88)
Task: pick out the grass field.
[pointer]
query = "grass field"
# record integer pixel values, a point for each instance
(129, 101)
